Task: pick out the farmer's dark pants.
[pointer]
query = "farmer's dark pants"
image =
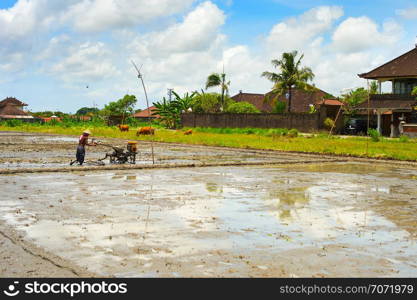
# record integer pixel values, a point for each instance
(80, 154)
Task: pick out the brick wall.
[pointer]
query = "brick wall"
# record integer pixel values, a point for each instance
(301, 121)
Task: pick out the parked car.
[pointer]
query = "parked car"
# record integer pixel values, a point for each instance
(357, 127)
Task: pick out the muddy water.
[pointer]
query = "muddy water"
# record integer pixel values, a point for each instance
(31, 150)
(347, 220)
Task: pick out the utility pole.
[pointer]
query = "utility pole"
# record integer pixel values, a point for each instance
(170, 94)
(140, 76)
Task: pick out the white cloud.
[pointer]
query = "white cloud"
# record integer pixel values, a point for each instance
(358, 34)
(12, 63)
(295, 32)
(198, 31)
(27, 26)
(54, 47)
(183, 54)
(18, 21)
(99, 15)
(85, 63)
(27, 16)
(244, 70)
(409, 13)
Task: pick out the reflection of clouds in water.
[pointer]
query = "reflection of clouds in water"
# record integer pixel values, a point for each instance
(326, 210)
(198, 210)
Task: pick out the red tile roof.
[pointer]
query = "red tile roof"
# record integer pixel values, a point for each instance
(145, 113)
(258, 100)
(331, 102)
(402, 66)
(301, 100)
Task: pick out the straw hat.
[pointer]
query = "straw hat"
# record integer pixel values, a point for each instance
(87, 132)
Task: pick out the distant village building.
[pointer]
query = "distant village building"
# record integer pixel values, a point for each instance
(399, 106)
(49, 119)
(12, 108)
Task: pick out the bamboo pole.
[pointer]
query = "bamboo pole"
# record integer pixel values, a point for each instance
(335, 121)
(149, 110)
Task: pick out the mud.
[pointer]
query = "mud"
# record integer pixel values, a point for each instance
(24, 150)
(311, 220)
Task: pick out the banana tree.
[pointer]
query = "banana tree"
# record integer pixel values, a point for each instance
(168, 113)
(184, 103)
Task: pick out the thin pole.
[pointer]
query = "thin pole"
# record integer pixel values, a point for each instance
(335, 122)
(147, 104)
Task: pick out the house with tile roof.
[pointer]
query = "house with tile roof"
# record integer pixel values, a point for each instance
(301, 100)
(146, 114)
(391, 109)
(12, 108)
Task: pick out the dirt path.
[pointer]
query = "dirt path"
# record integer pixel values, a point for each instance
(19, 259)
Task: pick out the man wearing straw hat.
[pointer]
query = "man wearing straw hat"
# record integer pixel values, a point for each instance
(82, 142)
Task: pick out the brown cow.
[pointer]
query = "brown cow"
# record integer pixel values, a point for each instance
(123, 127)
(145, 131)
(188, 132)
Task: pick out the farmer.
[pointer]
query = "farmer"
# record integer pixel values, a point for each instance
(82, 142)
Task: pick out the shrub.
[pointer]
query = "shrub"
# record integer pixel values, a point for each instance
(249, 131)
(374, 134)
(279, 107)
(277, 132)
(313, 109)
(53, 122)
(329, 123)
(14, 123)
(404, 139)
(293, 133)
(241, 108)
(209, 103)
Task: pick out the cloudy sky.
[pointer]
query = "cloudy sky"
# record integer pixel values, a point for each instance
(51, 50)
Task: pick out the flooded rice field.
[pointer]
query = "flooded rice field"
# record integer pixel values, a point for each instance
(307, 220)
(41, 151)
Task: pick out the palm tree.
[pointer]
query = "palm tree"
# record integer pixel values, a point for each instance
(291, 76)
(216, 79)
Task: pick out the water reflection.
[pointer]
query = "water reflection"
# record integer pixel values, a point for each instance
(214, 187)
(188, 212)
(287, 202)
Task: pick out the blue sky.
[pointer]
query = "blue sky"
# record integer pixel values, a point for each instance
(51, 50)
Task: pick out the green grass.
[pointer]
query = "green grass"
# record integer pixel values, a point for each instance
(269, 139)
